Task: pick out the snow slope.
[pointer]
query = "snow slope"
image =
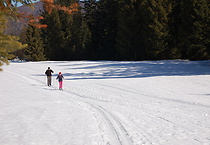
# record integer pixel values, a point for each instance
(106, 103)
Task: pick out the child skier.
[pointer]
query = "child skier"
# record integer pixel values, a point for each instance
(60, 80)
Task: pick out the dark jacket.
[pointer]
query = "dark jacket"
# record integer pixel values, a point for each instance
(49, 72)
(60, 78)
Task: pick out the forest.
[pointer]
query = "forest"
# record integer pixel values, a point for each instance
(130, 30)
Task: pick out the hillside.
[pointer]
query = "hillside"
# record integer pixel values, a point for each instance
(15, 27)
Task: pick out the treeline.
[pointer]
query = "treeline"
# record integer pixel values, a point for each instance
(123, 30)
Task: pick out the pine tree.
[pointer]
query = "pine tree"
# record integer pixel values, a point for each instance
(189, 28)
(63, 36)
(174, 29)
(90, 18)
(53, 36)
(77, 29)
(85, 37)
(130, 43)
(200, 35)
(185, 27)
(8, 43)
(107, 28)
(156, 27)
(34, 51)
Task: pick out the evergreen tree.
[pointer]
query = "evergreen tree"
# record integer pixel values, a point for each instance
(200, 35)
(90, 18)
(34, 51)
(63, 36)
(85, 38)
(125, 30)
(180, 27)
(156, 26)
(8, 43)
(174, 29)
(74, 32)
(189, 32)
(130, 43)
(185, 27)
(75, 44)
(107, 28)
(53, 36)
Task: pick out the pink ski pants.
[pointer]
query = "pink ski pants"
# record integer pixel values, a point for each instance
(60, 84)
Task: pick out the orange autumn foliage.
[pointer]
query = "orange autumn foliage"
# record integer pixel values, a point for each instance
(49, 5)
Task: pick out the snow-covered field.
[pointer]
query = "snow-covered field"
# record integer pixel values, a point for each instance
(106, 103)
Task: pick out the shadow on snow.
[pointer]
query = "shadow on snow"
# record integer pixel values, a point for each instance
(140, 69)
(132, 69)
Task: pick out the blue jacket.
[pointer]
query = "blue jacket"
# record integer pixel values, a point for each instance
(60, 78)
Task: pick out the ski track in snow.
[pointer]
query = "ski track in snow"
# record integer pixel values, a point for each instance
(117, 111)
(112, 124)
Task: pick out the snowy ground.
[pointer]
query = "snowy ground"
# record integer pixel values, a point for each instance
(106, 103)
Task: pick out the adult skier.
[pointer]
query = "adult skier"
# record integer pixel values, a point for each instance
(60, 80)
(49, 72)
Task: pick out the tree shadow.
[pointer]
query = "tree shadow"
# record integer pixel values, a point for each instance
(139, 69)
